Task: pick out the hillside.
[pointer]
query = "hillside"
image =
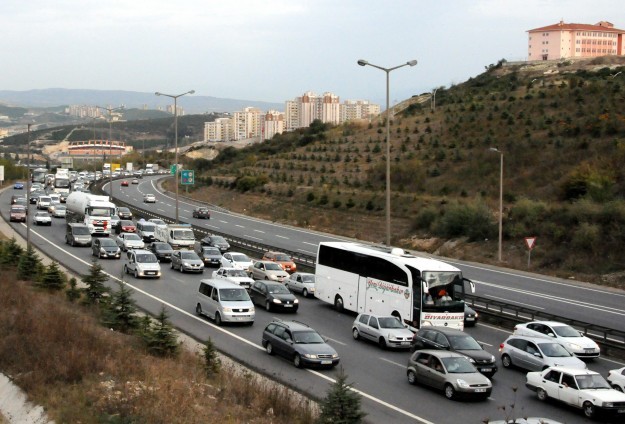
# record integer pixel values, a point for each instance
(560, 127)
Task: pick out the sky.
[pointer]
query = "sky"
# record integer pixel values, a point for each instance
(271, 50)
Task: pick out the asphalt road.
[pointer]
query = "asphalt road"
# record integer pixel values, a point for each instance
(378, 375)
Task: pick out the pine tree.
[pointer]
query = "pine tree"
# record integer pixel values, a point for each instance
(10, 253)
(159, 336)
(341, 405)
(95, 290)
(73, 292)
(52, 278)
(212, 364)
(28, 265)
(121, 312)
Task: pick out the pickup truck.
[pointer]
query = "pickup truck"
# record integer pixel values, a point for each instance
(233, 275)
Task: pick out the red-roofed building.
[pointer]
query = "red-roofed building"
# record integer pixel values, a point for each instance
(564, 40)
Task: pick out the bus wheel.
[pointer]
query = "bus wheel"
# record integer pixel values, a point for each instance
(338, 303)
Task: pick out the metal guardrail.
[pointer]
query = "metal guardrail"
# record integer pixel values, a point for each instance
(507, 315)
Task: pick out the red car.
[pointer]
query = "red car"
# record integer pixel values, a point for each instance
(124, 183)
(126, 226)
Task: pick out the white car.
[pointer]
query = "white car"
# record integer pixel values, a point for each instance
(59, 211)
(149, 198)
(234, 275)
(43, 202)
(127, 241)
(617, 379)
(142, 263)
(567, 336)
(583, 389)
(42, 218)
(386, 331)
(158, 222)
(236, 260)
(267, 270)
(302, 282)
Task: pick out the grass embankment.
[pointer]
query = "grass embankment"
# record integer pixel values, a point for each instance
(81, 372)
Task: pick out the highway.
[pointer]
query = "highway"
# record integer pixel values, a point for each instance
(378, 375)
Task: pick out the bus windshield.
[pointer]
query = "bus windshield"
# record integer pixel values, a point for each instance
(440, 278)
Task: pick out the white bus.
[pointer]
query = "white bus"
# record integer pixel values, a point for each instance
(381, 281)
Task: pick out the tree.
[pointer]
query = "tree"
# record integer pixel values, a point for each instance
(29, 265)
(159, 337)
(95, 290)
(212, 364)
(121, 312)
(52, 278)
(341, 405)
(73, 292)
(11, 252)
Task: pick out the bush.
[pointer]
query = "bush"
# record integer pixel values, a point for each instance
(120, 314)
(472, 221)
(425, 218)
(159, 337)
(341, 404)
(95, 290)
(29, 265)
(53, 278)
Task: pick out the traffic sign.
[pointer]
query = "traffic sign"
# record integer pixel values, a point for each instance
(172, 169)
(530, 242)
(187, 177)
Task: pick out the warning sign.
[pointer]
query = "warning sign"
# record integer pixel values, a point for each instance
(530, 242)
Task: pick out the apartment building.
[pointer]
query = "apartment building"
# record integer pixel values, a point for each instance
(358, 109)
(221, 129)
(562, 40)
(247, 123)
(273, 123)
(301, 111)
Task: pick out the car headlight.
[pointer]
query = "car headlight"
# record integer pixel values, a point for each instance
(471, 360)
(492, 358)
(608, 404)
(296, 301)
(102, 250)
(252, 309)
(462, 383)
(227, 309)
(575, 346)
(186, 264)
(310, 356)
(335, 355)
(276, 301)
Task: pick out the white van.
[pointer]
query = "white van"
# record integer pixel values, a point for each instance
(224, 301)
(145, 230)
(142, 263)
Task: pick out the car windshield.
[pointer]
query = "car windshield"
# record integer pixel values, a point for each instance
(202, 209)
(458, 365)
(270, 266)
(554, 350)
(184, 235)
(161, 246)
(592, 381)
(464, 343)
(61, 207)
(389, 322)
(277, 289)
(565, 331)
(123, 210)
(211, 251)
(44, 199)
(283, 258)
(106, 242)
(132, 236)
(148, 228)
(218, 239)
(236, 273)
(158, 221)
(41, 214)
(233, 295)
(307, 337)
(308, 278)
(81, 231)
(240, 258)
(188, 255)
(146, 258)
(20, 209)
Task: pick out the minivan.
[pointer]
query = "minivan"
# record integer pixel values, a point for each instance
(77, 234)
(224, 301)
(145, 230)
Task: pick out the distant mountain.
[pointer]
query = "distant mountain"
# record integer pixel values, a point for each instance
(51, 97)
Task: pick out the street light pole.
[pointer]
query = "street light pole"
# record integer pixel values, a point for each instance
(175, 97)
(28, 190)
(494, 149)
(110, 111)
(362, 62)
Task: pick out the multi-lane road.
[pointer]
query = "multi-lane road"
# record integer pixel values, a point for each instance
(378, 375)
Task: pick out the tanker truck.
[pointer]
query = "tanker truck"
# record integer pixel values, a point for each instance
(92, 210)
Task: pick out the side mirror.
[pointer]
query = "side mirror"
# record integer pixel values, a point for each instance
(538, 355)
(551, 334)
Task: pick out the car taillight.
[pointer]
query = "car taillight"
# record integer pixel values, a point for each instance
(501, 347)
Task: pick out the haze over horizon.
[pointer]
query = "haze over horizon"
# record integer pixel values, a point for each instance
(270, 51)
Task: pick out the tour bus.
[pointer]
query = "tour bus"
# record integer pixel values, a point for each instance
(39, 175)
(382, 281)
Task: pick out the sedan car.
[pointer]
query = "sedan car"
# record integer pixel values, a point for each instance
(59, 211)
(17, 214)
(42, 218)
(282, 259)
(18, 186)
(158, 222)
(210, 255)
(124, 183)
(114, 221)
(124, 213)
(453, 340)
(186, 261)
(236, 260)
(104, 247)
(149, 198)
(536, 354)
(470, 316)
(162, 250)
(570, 338)
(135, 181)
(233, 275)
(127, 241)
(273, 296)
(267, 270)
(582, 389)
(216, 241)
(301, 282)
(386, 331)
(201, 212)
(617, 379)
(450, 372)
(299, 343)
(125, 226)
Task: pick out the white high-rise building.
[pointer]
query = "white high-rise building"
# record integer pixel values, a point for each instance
(358, 109)
(273, 123)
(247, 123)
(301, 111)
(219, 130)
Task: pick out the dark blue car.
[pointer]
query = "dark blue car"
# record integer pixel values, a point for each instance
(18, 186)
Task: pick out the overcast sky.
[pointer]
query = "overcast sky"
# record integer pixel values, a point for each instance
(270, 50)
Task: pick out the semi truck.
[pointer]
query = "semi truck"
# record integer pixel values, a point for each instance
(179, 236)
(92, 210)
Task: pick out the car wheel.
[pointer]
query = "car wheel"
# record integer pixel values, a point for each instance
(305, 293)
(382, 343)
(73, 243)
(412, 377)
(450, 393)
(269, 348)
(171, 265)
(541, 394)
(589, 410)
(198, 309)
(268, 305)
(338, 303)
(136, 274)
(297, 361)
(506, 361)
(355, 334)
(217, 318)
(125, 270)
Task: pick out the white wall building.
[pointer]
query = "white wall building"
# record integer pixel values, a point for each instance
(273, 123)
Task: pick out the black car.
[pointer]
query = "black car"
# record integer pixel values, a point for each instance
(299, 343)
(104, 247)
(216, 241)
(201, 212)
(443, 338)
(34, 196)
(163, 251)
(470, 316)
(124, 213)
(209, 254)
(273, 296)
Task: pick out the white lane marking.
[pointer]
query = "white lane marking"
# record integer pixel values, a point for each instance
(393, 362)
(513, 301)
(336, 341)
(223, 222)
(311, 244)
(486, 344)
(241, 339)
(184, 217)
(255, 238)
(240, 226)
(184, 210)
(307, 251)
(259, 231)
(161, 210)
(282, 237)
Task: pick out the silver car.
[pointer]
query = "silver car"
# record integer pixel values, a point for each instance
(127, 241)
(536, 354)
(267, 270)
(302, 282)
(186, 261)
(386, 331)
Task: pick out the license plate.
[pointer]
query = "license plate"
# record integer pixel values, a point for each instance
(470, 319)
(486, 369)
(405, 343)
(621, 411)
(150, 273)
(326, 362)
(480, 390)
(288, 306)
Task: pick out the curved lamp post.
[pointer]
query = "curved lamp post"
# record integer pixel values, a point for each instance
(363, 62)
(175, 97)
(110, 110)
